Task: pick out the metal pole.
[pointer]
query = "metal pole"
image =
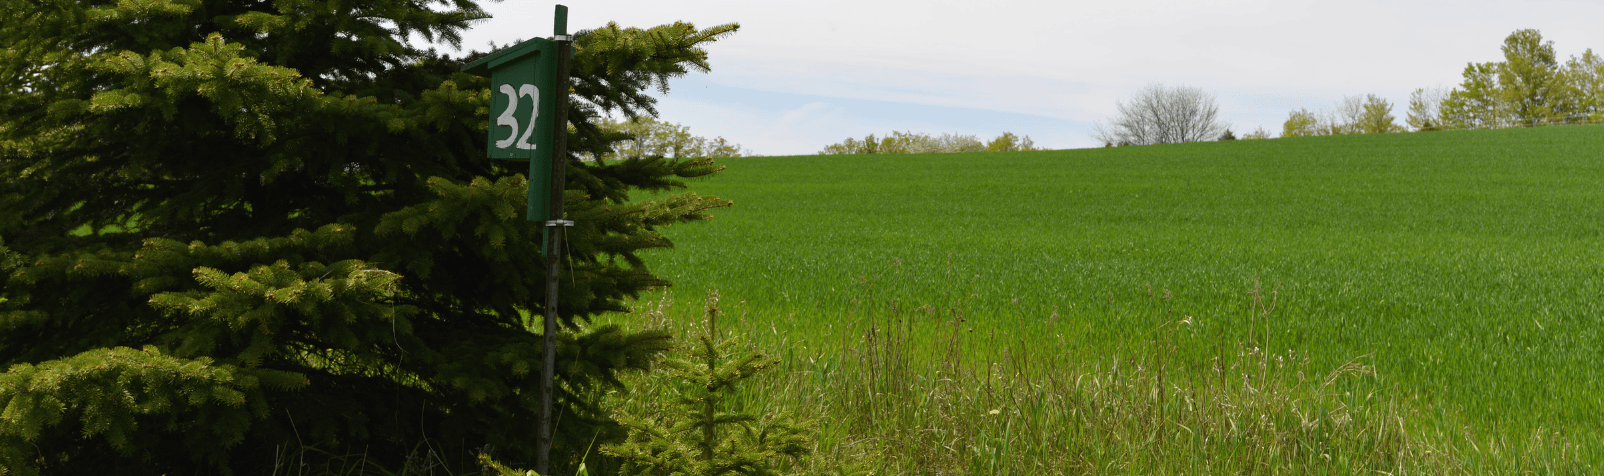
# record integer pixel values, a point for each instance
(556, 227)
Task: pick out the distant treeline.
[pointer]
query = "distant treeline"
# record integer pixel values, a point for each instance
(644, 136)
(1529, 88)
(921, 143)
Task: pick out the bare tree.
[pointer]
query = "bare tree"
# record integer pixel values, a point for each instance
(1345, 119)
(1425, 108)
(1161, 115)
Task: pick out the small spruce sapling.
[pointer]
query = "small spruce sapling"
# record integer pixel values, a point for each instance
(700, 434)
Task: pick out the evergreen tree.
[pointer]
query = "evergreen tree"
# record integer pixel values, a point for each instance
(235, 226)
(701, 434)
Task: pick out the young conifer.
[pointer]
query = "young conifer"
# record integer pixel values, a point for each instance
(236, 226)
(701, 433)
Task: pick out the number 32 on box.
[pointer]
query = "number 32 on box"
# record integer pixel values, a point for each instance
(508, 118)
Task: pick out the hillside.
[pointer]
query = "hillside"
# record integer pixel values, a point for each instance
(1467, 262)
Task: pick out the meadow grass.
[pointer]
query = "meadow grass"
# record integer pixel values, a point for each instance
(1464, 265)
(894, 389)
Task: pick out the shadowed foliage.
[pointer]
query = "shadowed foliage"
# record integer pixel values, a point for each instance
(235, 228)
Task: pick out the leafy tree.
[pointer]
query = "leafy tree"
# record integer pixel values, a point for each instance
(232, 227)
(944, 144)
(893, 144)
(648, 137)
(1257, 134)
(1530, 79)
(1301, 123)
(1008, 142)
(1367, 114)
(1228, 135)
(921, 143)
(1377, 117)
(1476, 103)
(1528, 88)
(1584, 79)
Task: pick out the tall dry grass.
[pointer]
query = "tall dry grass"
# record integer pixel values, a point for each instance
(917, 390)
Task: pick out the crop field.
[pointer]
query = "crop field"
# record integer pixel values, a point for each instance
(1466, 266)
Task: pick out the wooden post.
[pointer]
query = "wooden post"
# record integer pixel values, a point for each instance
(556, 228)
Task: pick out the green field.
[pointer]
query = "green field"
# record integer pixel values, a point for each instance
(1468, 263)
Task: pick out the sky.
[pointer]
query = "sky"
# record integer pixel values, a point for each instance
(800, 75)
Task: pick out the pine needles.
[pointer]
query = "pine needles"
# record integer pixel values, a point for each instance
(700, 433)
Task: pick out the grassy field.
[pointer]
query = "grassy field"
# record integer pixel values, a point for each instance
(1466, 265)
(1425, 303)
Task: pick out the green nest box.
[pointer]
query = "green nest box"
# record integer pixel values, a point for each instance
(524, 84)
(523, 88)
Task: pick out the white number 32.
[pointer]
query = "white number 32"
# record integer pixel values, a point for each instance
(506, 119)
